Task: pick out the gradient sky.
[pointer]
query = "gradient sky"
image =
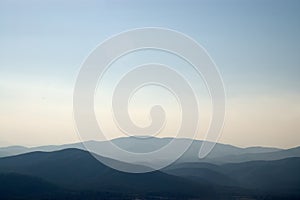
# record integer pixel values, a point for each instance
(255, 44)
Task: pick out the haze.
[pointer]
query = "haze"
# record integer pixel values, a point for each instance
(255, 44)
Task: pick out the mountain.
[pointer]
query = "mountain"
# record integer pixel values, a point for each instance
(275, 176)
(13, 150)
(219, 154)
(76, 174)
(16, 186)
(280, 178)
(201, 171)
(287, 153)
(77, 170)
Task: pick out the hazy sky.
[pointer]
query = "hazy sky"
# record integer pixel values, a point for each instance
(255, 44)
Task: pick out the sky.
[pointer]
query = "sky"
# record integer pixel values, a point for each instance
(255, 44)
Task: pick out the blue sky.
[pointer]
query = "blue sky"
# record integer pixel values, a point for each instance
(255, 44)
(251, 41)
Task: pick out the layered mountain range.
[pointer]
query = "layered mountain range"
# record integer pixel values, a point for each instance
(228, 172)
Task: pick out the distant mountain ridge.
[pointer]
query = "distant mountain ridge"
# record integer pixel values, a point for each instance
(276, 155)
(222, 153)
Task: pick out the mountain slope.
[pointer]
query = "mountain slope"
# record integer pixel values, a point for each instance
(277, 155)
(77, 169)
(278, 178)
(82, 176)
(219, 154)
(275, 176)
(16, 186)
